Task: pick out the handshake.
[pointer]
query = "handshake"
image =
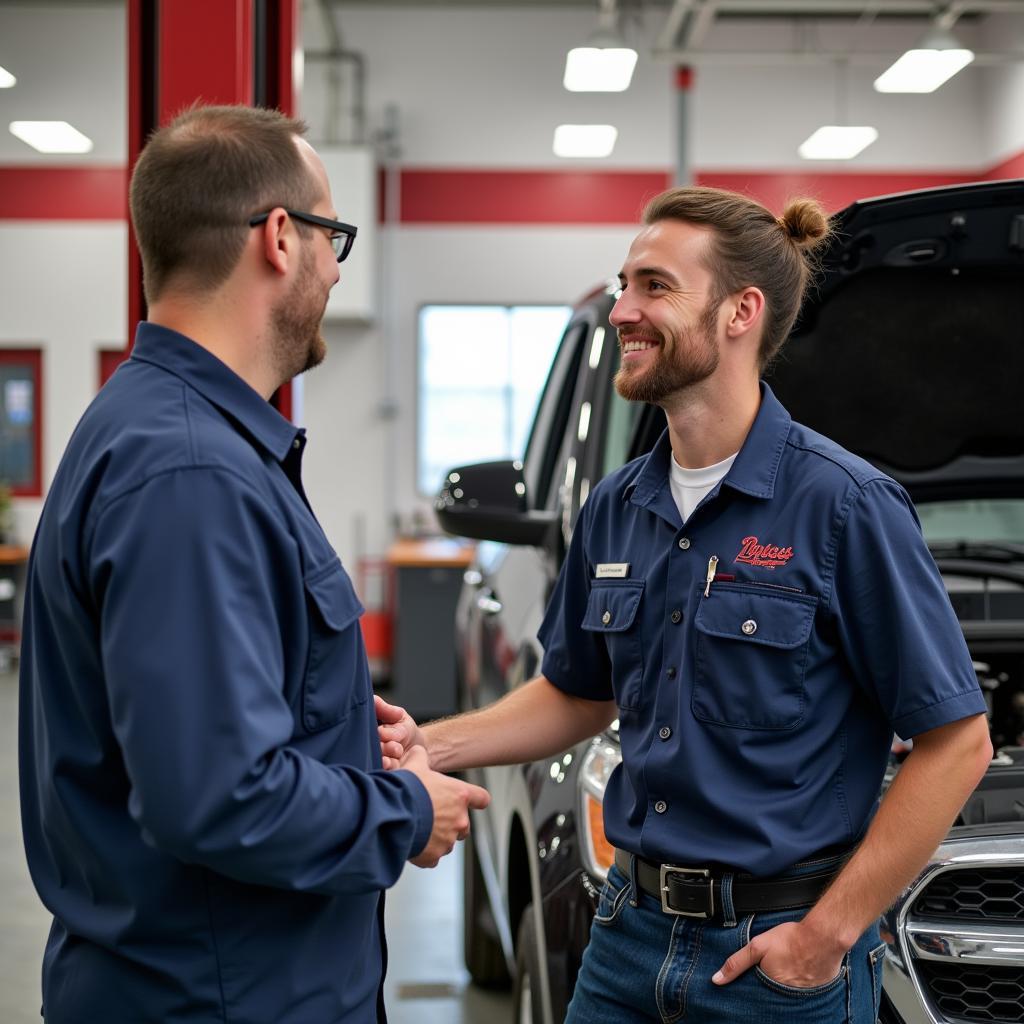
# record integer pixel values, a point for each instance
(403, 745)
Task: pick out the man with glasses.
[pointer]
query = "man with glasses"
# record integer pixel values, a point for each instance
(203, 803)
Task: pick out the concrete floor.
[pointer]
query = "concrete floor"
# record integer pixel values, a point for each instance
(426, 981)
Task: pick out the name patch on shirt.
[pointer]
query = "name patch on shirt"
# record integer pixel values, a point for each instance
(612, 570)
(768, 556)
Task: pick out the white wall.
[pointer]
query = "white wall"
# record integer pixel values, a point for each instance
(63, 289)
(1003, 109)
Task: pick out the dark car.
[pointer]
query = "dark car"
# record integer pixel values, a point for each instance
(910, 353)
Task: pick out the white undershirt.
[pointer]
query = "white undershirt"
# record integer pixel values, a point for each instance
(689, 486)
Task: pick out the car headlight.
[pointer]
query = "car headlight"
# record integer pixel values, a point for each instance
(600, 760)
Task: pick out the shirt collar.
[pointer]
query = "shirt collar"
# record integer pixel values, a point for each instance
(219, 384)
(755, 467)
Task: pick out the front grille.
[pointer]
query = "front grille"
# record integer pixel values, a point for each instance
(974, 993)
(988, 894)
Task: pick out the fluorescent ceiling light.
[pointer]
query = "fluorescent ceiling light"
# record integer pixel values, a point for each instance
(599, 69)
(936, 59)
(837, 142)
(51, 136)
(922, 70)
(7, 80)
(578, 140)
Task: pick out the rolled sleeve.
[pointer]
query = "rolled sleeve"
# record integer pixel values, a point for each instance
(896, 625)
(576, 661)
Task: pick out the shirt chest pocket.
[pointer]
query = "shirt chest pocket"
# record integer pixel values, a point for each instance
(613, 611)
(337, 677)
(751, 656)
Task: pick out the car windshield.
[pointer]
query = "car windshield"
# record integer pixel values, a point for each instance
(976, 524)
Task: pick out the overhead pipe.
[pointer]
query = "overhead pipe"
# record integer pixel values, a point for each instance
(335, 55)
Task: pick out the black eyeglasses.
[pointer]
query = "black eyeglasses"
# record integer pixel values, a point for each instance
(342, 235)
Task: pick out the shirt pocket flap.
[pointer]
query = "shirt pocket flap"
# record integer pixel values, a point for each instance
(611, 608)
(756, 618)
(335, 598)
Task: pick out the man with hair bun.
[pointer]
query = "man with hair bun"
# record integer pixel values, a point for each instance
(758, 608)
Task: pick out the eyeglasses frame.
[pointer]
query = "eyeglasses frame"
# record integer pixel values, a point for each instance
(348, 231)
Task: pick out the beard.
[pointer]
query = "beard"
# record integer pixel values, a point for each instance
(692, 359)
(296, 321)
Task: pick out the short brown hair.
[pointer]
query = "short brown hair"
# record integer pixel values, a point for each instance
(199, 180)
(751, 246)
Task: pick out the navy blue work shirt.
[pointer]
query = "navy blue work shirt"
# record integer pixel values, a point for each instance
(203, 803)
(756, 714)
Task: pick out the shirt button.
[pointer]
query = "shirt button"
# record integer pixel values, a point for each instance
(671, 672)
(676, 616)
(661, 807)
(664, 732)
(684, 543)
(296, 444)
(749, 627)
(606, 618)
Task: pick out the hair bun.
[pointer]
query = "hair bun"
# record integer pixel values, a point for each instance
(805, 222)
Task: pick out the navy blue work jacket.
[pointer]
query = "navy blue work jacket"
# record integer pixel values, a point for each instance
(756, 713)
(203, 803)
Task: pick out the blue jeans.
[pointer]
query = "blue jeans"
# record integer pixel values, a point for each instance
(645, 966)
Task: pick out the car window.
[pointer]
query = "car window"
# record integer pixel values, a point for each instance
(621, 423)
(549, 425)
(978, 519)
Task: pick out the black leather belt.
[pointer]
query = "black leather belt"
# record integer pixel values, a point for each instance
(695, 892)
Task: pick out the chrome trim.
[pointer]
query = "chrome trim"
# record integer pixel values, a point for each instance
(981, 944)
(952, 855)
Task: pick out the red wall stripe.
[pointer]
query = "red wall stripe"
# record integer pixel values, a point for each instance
(527, 197)
(1011, 168)
(460, 196)
(63, 193)
(833, 190)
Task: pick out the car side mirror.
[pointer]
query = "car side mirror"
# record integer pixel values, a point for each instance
(488, 501)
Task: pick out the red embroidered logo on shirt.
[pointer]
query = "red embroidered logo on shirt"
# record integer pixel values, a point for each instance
(768, 556)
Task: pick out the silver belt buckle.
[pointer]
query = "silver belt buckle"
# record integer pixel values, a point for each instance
(673, 869)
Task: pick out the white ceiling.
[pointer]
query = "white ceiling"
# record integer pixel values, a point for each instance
(69, 55)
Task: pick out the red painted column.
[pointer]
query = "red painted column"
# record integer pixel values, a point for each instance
(197, 51)
(205, 54)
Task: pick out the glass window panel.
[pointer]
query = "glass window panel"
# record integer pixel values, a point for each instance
(482, 369)
(464, 347)
(981, 519)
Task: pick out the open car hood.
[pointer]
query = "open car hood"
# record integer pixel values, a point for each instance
(911, 351)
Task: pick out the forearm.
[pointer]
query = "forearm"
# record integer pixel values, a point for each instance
(913, 818)
(534, 721)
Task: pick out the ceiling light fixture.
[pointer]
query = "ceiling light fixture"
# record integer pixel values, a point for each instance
(842, 140)
(585, 140)
(51, 136)
(837, 142)
(7, 80)
(935, 60)
(605, 64)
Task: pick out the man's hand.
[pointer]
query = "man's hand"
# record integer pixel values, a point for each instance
(452, 800)
(397, 731)
(788, 955)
